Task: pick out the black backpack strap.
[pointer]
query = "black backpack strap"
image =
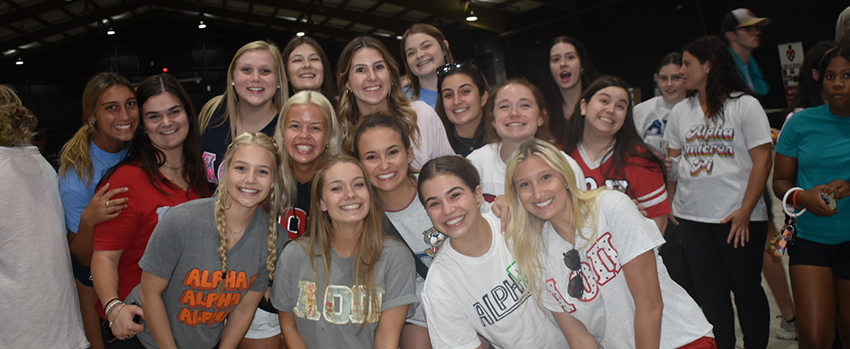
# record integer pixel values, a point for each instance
(421, 268)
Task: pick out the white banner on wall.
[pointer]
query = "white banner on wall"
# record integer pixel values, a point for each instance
(791, 59)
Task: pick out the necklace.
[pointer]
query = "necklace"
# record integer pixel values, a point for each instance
(468, 145)
(172, 167)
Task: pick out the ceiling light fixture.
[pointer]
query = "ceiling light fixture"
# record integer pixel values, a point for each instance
(300, 34)
(110, 31)
(19, 62)
(472, 17)
(202, 25)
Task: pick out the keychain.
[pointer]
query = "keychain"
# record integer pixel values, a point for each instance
(780, 242)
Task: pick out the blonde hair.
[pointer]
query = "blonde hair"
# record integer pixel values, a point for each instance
(232, 99)
(399, 105)
(75, 154)
(333, 134)
(320, 231)
(274, 201)
(16, 121)
(524, 230)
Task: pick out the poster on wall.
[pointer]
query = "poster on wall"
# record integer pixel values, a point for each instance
(791, 59)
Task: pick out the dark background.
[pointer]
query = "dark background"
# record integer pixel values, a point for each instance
(624, 38)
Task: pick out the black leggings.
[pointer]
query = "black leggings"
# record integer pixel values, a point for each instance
(718, 268)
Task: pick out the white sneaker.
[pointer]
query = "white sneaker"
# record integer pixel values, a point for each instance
(787, 330)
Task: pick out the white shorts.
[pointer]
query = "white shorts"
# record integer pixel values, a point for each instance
(265, 325)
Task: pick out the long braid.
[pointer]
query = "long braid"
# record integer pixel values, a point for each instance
(221, 224)
(272, 240)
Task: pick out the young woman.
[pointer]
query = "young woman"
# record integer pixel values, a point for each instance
(251, 102)
(591, 254)
(518, 116)
(110, 117)
(819, 273)
(308, 68)
(570, 71)
(611, 153)
(425, 50)
(211, 260)
(163, 169)
(462, 106)
(308, 134)
(651, 115)
(369, 75)
(385, 152)
(473, 287)
(36, 280)
(344, 284)
(721, 140)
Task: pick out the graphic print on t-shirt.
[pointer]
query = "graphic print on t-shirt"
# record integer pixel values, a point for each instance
(203, 304)
(341, 305)
(295, 222)
(209, 165)
(703, 143)
(600, 265)
(435, 239)
(503, 299)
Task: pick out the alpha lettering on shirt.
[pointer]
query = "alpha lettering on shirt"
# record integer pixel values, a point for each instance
(503, 299)
(704, 143)
(203, 304)
(341, 303)
(601, 265)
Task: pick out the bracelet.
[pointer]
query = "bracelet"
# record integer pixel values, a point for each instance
(116, 315)
(112, 307)
(794, 199)
(109, 305)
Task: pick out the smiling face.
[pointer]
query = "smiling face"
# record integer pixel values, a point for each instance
(516, 114)
(255, 77)
(542, 191)
(250, 175)
(461, 100)
(452, 205)
(423, 54)
(117, 115)
(345, 196)
(369, 80)
(383, 156)
(166, 122)
(694, 73)
(565, 65)
(304, 68)
(305, 133)
(671, 84)
(606, 111)
(836, 86)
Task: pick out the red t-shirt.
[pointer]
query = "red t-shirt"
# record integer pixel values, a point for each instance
(132, 229)
(644, 180)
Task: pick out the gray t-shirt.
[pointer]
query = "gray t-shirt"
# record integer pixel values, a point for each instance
(184, 250)
(324, 313)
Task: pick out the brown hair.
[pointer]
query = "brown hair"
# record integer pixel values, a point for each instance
(542, 131)
(433, 32)
(16, 121)
(329, 88)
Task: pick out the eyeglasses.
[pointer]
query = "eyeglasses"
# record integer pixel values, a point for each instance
(449, 67)
(575, 288)
(750, 29)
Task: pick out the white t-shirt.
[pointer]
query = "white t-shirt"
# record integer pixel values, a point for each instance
(715, 164)
(607, 307)
(651, 120)
(415, 227)
(491, 169)
(466, 296)
(40, 308)
(433, 141)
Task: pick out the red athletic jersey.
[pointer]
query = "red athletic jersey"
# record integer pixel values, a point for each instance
(644, 180)
(132, 229)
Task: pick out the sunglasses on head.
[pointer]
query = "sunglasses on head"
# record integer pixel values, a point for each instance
(450, 67)
(575, 288)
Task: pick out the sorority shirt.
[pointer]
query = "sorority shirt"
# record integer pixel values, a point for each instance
(804, 138)
(132, 229)
(328, 316)
(715, 164)
(607, 307)
(651, 120)
(643, 181)
(295, 219)
(184, 250)
(217, 138)
(467, 296)
(488, 161)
